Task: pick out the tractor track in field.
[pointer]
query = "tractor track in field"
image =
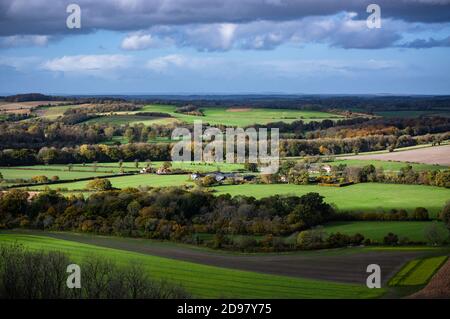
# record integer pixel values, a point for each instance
(347, 267)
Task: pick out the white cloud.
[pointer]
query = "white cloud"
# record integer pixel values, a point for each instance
(162, 63)
(87, 63)
(24, 40)
(137, 42)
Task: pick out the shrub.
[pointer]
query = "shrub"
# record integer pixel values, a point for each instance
(445, 215)
(101, 278)
(310, 239)
(99, 184)
(435, 235)
(420, 213)
(390, 239)
(39, 179)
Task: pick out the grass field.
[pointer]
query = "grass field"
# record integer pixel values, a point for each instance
(113, 167)
(359, 197)
(62, 174)
(376, 230)
(418, 271)
(150, 180)
(201, 280)
(242, 117)
(387, 165)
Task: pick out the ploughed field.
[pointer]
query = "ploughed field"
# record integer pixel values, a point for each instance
(215, 275)
(428, 155)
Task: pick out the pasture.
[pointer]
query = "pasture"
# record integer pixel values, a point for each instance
(376, 230)
(418, 271)
(11, 173)
(358, 197)
(150, 180)
(242, 117)
(201, 280)
(386, 165)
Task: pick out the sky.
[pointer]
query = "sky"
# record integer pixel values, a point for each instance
(225, 47)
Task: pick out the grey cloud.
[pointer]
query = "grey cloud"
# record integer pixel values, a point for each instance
(48, 17)
(427, 43)
(345, 31)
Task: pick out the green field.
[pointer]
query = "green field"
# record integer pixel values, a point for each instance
(417, 272)
(243, 117)
(113, 167)
(62, 174)
(151, 180)
(376, 230)
(359, 197)
(201, 280)
(53, 112)
(387, 165)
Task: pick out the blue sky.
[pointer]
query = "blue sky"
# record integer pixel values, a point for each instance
(247, 46)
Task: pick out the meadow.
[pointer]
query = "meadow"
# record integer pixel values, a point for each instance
(387, 165)
(150, 180)
(11, 173)
(358, 197)
(113, 167)
(243, 116)
(201, 280)
(417, 271)
(376, 230)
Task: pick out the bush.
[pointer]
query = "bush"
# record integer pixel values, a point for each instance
(99, 184)
(391, 239)
(42, 275)
(342, 240)
(420, 213)
(435, 235)
(310, 239)
(39, 179)
(445, 215)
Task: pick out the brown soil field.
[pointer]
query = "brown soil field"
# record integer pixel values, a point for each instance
(344, 265)
(23, 107)
(428, 155)
(239, 109)
(438, 287)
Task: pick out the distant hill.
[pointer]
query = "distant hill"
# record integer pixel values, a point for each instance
(30, 97)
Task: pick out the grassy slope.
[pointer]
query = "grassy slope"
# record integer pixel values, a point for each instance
(113, 167)
(386, 165)
(26, 174)
(221, 115)
(414, 231)
(205, 281)
(151, 180)
(417, 272)
(365, 196)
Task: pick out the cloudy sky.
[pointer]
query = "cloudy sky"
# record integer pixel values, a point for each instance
(226, 46)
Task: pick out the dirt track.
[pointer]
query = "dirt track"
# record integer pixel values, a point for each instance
(341, 266)
(428, 155)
